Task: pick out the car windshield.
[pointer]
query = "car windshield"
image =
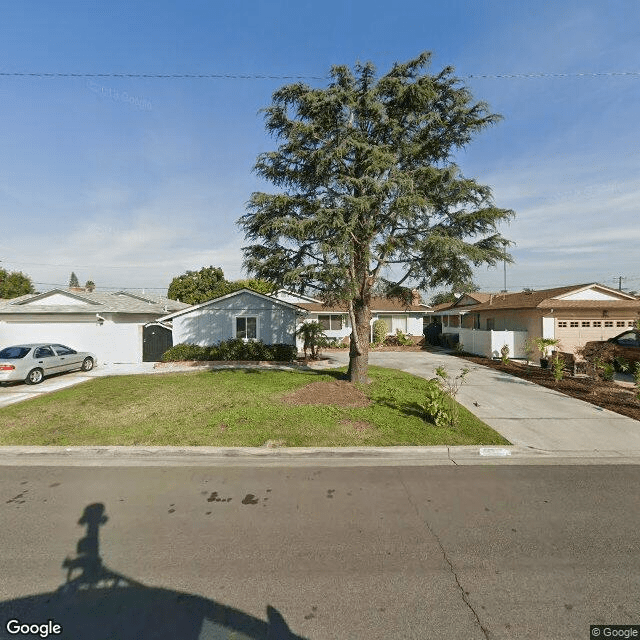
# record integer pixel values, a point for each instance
(14, 353)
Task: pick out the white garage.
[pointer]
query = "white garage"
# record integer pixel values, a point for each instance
(109, 324)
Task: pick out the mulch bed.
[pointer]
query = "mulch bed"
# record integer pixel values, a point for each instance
(336, 392)
(601, 393)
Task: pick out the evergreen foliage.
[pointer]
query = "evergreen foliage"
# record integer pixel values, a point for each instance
(194, 287)
(73, 280)
(367, 187)
(14, 284)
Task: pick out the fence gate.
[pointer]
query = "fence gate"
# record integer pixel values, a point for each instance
(156, 339)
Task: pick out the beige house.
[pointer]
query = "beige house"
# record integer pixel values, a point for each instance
(573, 315)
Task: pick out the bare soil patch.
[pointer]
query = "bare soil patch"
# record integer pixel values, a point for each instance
(336, 392)
(608, 395)
(357, 425)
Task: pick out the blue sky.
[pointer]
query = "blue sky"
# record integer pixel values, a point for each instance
(130, 182)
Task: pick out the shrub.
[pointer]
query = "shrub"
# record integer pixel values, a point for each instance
(436, 406)
(403, 339)
(557, 368)
(234, 349)
(450, 386)
(379, 332)
(504, 353)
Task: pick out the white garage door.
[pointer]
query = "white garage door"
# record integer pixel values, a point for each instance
(574, 333)
(111, 342)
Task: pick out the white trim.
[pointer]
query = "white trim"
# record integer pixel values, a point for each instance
(230, 295)
(244, 315)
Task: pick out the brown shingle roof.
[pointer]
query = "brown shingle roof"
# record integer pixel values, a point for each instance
(548, 298)
(377, 304)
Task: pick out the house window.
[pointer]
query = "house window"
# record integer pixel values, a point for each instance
(491, 324)
(562, 324)
(620, 323)
(394, 323)
(597, 323)
(608, 323)
(247, 328)
(630, 323)
(586, 323)
(330, 322)
(573, 324)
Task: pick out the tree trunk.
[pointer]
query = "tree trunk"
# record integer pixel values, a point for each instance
(359, 362)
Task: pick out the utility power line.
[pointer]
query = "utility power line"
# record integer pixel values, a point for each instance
(259, 76)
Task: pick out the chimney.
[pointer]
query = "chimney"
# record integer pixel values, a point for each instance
(415, 297)
(491, 299)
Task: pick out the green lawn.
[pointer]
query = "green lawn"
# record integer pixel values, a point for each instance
(231, 408)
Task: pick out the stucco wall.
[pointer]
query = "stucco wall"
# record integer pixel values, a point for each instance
(217, 322)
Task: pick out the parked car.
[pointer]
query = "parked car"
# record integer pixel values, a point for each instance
(625, 345)
(33, 362)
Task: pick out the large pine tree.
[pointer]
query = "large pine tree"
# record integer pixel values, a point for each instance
(367, 189)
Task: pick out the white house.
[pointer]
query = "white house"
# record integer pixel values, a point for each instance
(242, 314)
(117, 327)
(335, 319)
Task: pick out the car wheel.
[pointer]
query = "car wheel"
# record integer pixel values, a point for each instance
(87, 365)
(35, 376)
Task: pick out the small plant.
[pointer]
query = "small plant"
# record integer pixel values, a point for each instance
(379, 332)
(605, 369)
(504, 354)
(557, 368)
(435, 406)
(403, 339)
(544, 344)
(312, 334)
(621, 364)
(459, 347)
(451, 385)
(529, 348)
(636, 378)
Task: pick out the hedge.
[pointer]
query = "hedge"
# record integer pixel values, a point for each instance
(234, 349)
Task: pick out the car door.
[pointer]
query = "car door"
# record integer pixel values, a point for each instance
(46, 358)
(68, 358)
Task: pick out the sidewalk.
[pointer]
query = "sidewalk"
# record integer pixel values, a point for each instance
(526, 414)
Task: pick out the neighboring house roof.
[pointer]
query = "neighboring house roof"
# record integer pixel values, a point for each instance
(61, 301)
(231, 295)
(377, 304)
(283, 294)
(556, 298)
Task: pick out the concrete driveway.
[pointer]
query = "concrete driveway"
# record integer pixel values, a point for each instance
(526, 414)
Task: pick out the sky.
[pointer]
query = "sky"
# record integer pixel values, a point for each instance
(130, 182)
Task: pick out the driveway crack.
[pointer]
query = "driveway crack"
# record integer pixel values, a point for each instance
(463, 593)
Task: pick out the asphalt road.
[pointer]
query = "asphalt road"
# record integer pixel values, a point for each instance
(474, 552)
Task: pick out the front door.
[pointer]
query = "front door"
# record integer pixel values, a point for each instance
(156, 339)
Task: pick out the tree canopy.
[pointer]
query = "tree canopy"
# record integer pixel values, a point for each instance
(450, 296)
(367, 189)
(194, 287)
(14, 284)
(73, 280)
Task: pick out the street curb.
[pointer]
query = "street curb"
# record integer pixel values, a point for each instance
(304, 456)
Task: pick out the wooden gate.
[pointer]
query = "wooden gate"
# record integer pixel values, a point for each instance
(156, 339)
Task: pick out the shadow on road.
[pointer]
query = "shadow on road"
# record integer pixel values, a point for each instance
(96, 603)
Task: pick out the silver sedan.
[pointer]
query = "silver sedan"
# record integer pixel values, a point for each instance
(32, 362)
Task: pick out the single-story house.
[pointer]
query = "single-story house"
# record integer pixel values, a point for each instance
(335, 319)
(574, 315)
(242, 314)
(117, 326)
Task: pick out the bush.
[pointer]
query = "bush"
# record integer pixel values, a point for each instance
(436, 406)
(379, 332)
(234, 349)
